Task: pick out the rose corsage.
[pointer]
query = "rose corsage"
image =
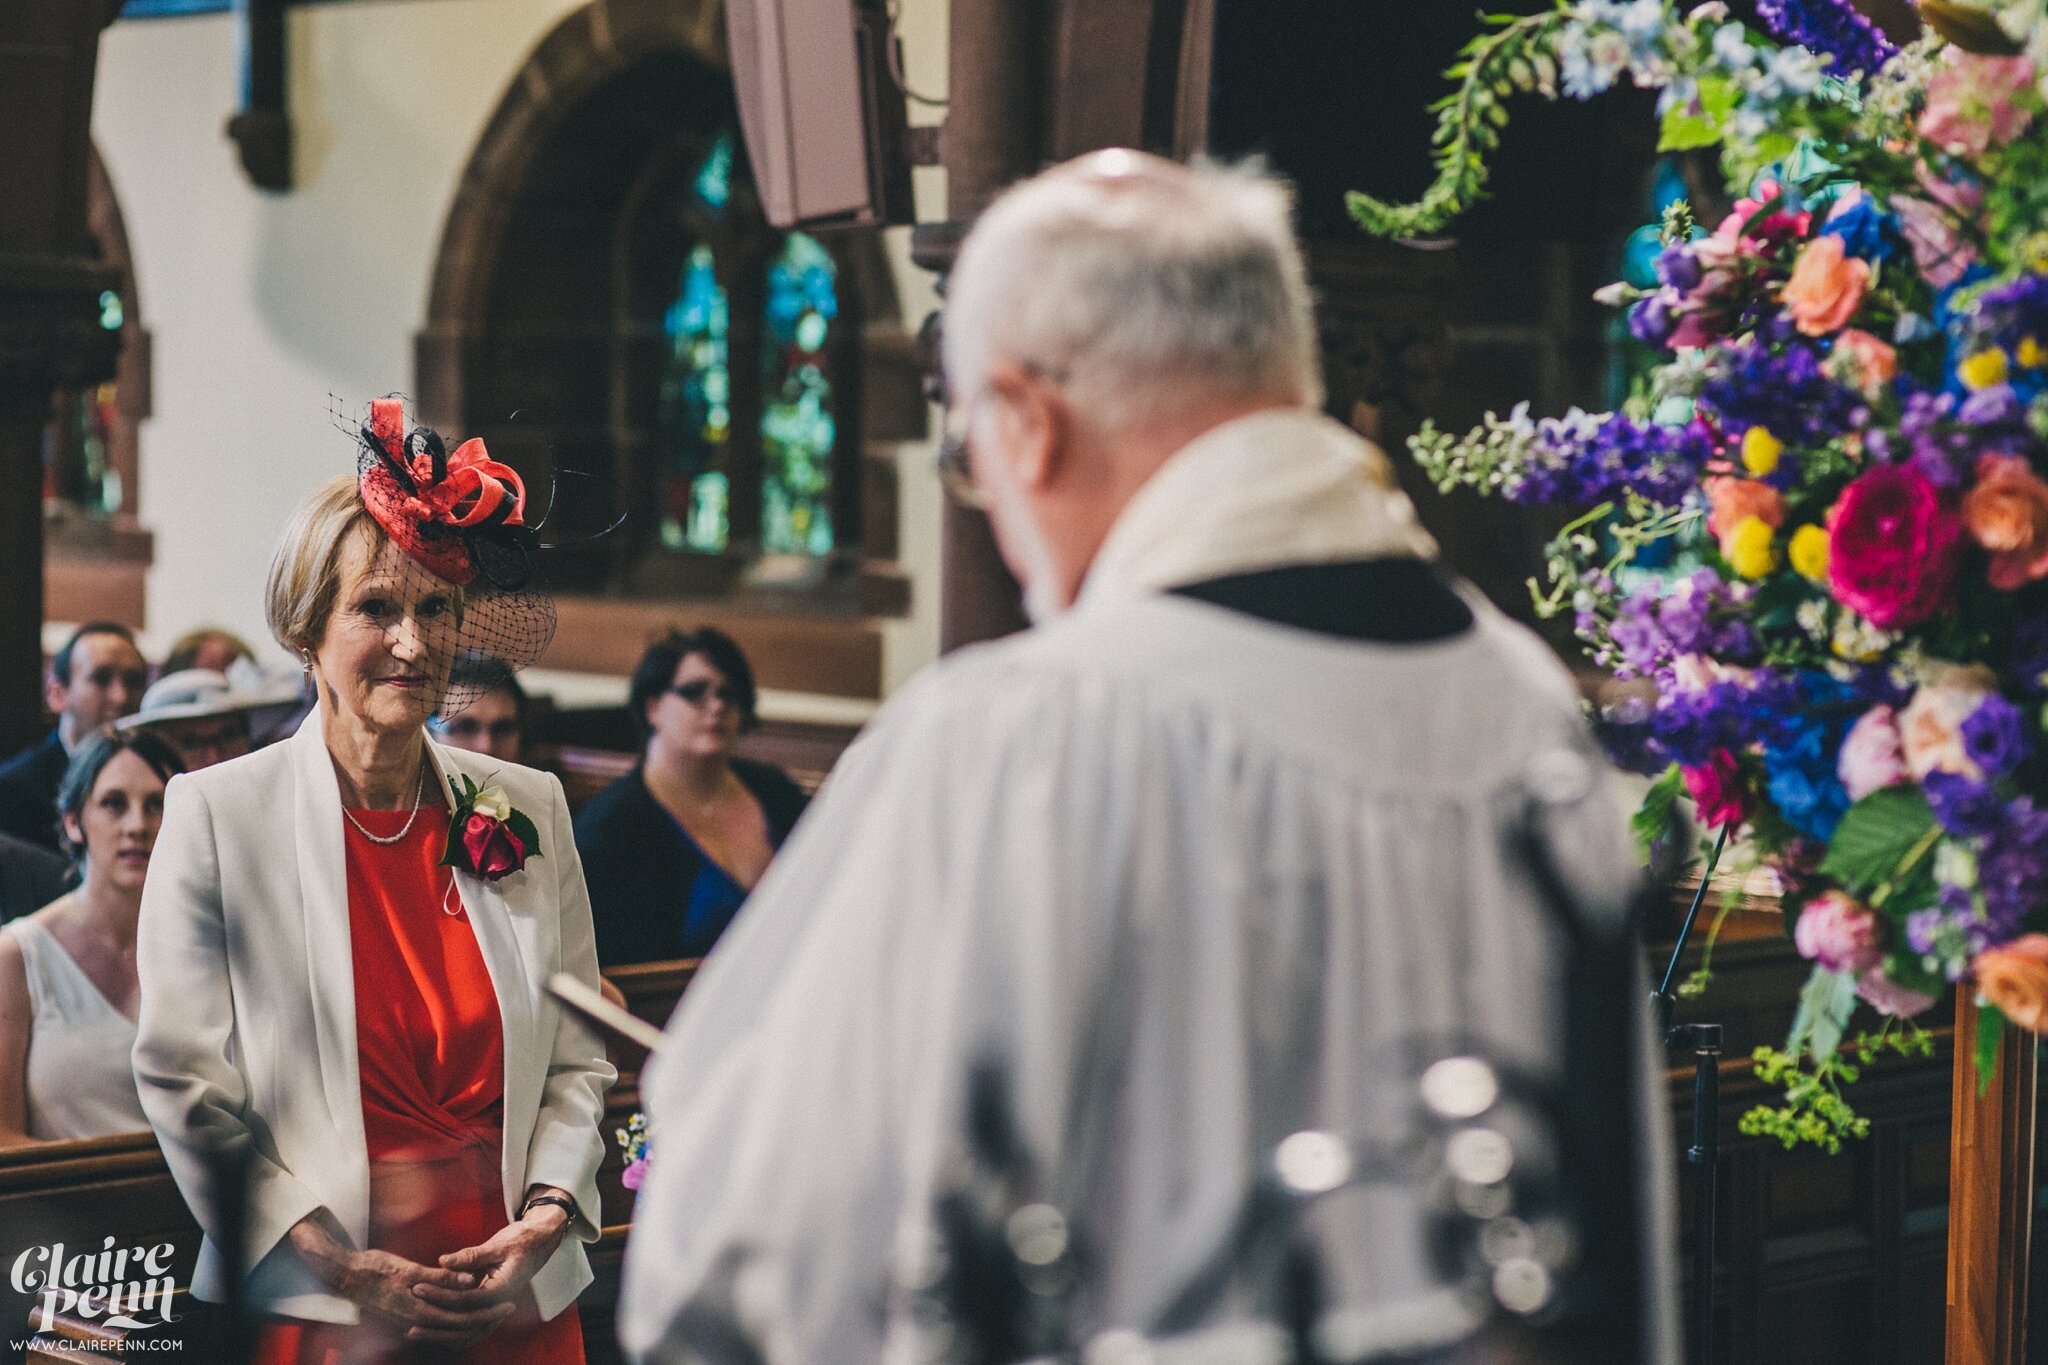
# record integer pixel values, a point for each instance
(486, 836)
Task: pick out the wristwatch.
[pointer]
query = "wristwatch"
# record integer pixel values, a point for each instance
(562, 1202)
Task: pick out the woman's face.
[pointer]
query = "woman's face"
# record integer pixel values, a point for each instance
(383, 660)
(699, 715)
(117, 825)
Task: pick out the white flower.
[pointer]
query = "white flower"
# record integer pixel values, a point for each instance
(1731, 47)
(1931, 730)
(493, 802)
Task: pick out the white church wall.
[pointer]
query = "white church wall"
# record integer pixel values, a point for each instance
(261, 305)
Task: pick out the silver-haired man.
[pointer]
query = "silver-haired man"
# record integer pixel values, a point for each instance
(1094, 921)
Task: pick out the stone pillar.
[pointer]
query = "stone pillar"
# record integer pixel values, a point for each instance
(996, 81)
(50, 286)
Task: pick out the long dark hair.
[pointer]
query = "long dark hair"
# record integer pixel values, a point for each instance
(91, 760)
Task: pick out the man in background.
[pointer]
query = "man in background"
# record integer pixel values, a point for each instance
(95, 679)
(1231, 846)
(493, 725)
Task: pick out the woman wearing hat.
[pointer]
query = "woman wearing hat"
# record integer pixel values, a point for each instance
(210, 716)
(344, 943)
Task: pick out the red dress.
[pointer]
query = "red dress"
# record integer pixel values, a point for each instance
(432, 1058)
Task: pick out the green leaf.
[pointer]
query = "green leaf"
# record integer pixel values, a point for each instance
(1990, 1033)
(523, 830)
(1684, 129)
(1876, 837)
(1651, 824)
(1824, 1009)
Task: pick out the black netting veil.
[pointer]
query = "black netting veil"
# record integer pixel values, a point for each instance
(459, 589)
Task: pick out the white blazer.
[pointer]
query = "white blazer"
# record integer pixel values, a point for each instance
(247, 1037)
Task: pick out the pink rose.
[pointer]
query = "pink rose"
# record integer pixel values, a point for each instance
(635, 1174)
(1893, 549)
(494, 850)
(1865, 361)
(1718, 790)
(1970, 102)
(2015, 978)
(1839, 933)
(1886, 996)
(1826, 286)
(1938, 246)
(2007, 513)
(1872, 756)
(1931, 731)
(1731, 501)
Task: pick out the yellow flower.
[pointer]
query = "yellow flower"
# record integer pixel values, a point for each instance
(1982, 370)
(2031, 353)
(1752, 551)
(1808, 551)
(1760, 451)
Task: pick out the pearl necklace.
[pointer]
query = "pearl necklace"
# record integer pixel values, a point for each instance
(418, 796)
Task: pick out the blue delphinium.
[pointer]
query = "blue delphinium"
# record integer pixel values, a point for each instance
(1828, 28)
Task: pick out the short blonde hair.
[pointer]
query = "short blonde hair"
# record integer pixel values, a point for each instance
(305, 571)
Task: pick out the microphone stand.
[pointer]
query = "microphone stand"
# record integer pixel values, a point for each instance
(1704, 1155)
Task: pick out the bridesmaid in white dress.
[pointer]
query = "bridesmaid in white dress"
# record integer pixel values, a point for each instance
(68, 989)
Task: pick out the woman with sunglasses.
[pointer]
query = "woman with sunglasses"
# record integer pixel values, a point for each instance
(671, 849)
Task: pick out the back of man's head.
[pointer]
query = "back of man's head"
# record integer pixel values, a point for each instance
(1135, 282)
(61, 661)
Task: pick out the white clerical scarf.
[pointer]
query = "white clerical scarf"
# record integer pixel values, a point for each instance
(1282, 486)
(1286, 852)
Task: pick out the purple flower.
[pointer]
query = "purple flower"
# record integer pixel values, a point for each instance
(2030, 655)
(1995, 736)
(1649, 321)
(1828, 28)
(1785, 390)
(1963, 807)
(1582, 458)
(2011, 876)
(1678, 268)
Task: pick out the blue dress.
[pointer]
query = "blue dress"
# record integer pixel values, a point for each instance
(654, 895)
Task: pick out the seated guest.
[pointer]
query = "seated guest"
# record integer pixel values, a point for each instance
(95, 679)
(207, 647)
(30, 876)
(211, 717)
(68, 987)
(671, 849)
(493, 725)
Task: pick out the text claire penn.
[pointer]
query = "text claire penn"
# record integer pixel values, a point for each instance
(124, 1285)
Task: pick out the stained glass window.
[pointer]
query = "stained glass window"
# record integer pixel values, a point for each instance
(696, 416)
(78, 456)
(714, 177)
(798, 432)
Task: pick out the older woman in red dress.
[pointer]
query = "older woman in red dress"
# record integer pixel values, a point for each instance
(343, 948)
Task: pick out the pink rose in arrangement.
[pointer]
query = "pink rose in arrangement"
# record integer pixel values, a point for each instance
(1731, 501)
(1938, 248)
(1865, 361)
(1887, 996)
(494, 850)
(1872, 756)
(1893, 549)
(2015, 978)
(1931, 731)
(1718, 790)
(1777, 225)
(635, 1173)
(2007, 513)
(1839, 933)
(1826, 286)
(1971, 104)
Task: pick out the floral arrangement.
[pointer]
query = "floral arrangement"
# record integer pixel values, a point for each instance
(487, 837)
(1835, 458)
(632, 1140)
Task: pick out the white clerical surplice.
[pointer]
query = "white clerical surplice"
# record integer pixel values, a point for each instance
(1286, 856)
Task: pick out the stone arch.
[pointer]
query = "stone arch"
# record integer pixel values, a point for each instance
(613, 70)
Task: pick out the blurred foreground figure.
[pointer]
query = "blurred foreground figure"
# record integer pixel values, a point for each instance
(1214, 855)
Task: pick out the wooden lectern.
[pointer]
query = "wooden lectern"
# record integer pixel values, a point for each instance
(1991, 1199)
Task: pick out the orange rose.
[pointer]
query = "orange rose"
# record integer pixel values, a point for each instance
(1865, 361)
(2007, 513)
(1731, 501)
(2015, 978)
(1826, 285)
